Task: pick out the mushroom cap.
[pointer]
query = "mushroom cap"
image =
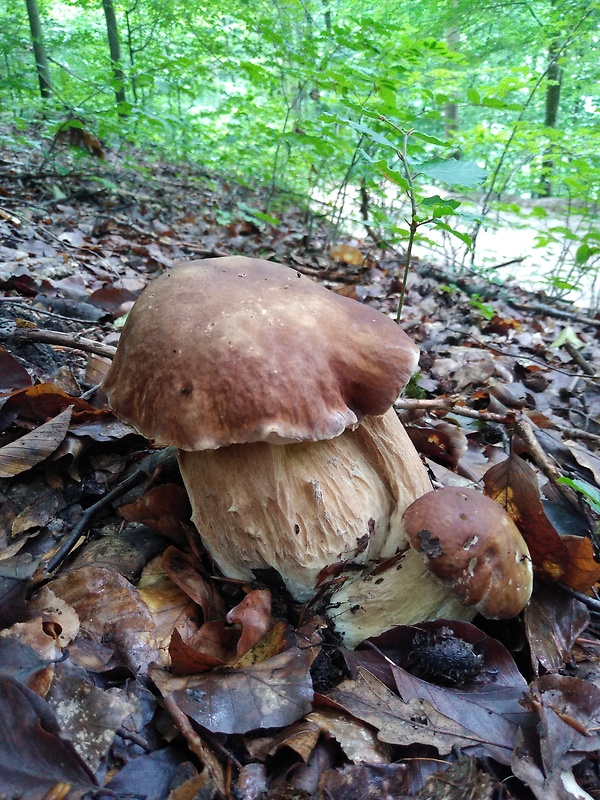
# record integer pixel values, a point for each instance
(474, 548)
(236, 350)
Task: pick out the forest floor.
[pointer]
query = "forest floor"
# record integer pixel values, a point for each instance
(130, 670)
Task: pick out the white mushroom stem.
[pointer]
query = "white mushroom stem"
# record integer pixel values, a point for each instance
(404, 593)
(299, 508)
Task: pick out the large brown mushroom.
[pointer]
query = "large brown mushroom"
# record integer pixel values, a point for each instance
(278, 394)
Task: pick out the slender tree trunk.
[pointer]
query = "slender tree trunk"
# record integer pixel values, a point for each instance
(452, 36)
(115, 50)
(39, 49)
(553, 87)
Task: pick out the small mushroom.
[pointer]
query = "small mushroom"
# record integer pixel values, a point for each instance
(474, 548)
(261, 377)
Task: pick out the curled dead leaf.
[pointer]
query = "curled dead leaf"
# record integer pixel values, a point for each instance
(34, 447)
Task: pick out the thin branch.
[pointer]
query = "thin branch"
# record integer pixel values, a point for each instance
(62, 340)
(525, 430)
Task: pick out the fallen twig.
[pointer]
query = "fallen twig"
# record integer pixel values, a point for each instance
(525, 430)
(146, 467)
(452, 404)
(61, 339)
(579, 359)
(550, 311)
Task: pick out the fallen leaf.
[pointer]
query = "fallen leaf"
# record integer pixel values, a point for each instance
(182, 571)
(553, 621)
(33, 757)
(398, 722)
(166, 508)
(34, 447)
(582, 571)
(365, 782)
(45, 400)
(15, 573)
(347, 253)
(301, 737)
(111, 611)
(189, 660)
(568, 710)
(462, 780)
(170, 607)
(274, 693)
(513, 484)
(358, 740)
(88, 715)
(149, 775)
(13, 375)
(254, 616)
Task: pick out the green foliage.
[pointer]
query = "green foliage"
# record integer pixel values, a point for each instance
(485, 309)
(412, 390)
(316, 98)
(591, 493)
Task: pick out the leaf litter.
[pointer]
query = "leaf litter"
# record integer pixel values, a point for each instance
(130, 668)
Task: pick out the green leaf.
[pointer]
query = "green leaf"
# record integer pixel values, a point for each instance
(253, 213)
(567, 335)
(560, 283)
(378, 138)
(448, 205)
(473, 96)
(484, 309)
(590, 492)
(72, 123)
(539, 212)
(453, 172)
(584, 251)
(391, 174)
(464, 237)
(427, 138)
(494, 102)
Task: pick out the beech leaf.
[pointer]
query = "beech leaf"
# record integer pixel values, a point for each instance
(398, 722)
(271, 694)
(29, 450)
(513, 483)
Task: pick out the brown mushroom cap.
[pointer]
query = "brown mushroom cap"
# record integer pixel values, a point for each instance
(474, 548)
(235, 350)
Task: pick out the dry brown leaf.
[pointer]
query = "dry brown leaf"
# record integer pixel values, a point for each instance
(111, 611)
(272, 694)
(358, 740)
(301, 737)
(170, 607)
(34, 447)
(582, 572)
(165, 508)
(180, 568)
(513, 484)
(13, 375)
(347, 254)
(254, 616)
(89, 716)
(553, 621)
(398, 722)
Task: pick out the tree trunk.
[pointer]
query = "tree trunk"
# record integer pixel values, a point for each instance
(39, 50)
(452, 36)
(553, 86)
(115, 52)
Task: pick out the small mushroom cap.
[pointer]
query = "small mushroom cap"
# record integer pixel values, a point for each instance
(236, 350)
(474, 548)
